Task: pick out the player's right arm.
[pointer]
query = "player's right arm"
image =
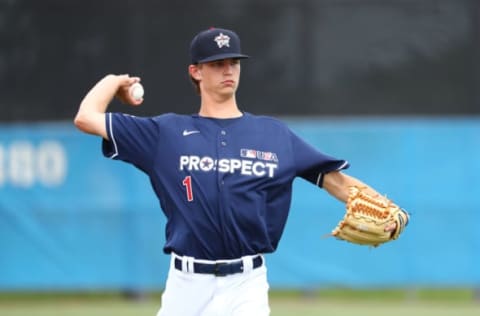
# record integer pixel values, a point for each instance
(90, 117)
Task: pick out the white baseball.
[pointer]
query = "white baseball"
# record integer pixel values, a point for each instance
(136, 91)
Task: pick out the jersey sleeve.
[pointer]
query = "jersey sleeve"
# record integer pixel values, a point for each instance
(312, 164)
(131, 139)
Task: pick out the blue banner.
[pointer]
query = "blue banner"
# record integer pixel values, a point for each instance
(71, 219)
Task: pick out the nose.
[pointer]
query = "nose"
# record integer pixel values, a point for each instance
(227, 68)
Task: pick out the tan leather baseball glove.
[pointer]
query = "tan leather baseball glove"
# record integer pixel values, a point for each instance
(367, 219)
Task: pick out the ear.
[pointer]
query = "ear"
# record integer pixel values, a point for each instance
(194, 71)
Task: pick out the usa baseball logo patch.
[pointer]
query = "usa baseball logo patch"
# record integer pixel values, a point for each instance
(257, 154)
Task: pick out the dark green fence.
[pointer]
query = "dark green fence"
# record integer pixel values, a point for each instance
(310, 57)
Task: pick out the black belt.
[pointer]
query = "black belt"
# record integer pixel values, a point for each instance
(220, 268)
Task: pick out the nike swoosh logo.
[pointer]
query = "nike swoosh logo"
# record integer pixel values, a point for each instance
(186, 133)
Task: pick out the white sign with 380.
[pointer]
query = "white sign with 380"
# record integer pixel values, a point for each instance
(24, 164)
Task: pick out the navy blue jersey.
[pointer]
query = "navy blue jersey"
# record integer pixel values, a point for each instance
(225, 186)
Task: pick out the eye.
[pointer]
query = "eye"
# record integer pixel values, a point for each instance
(217, 63)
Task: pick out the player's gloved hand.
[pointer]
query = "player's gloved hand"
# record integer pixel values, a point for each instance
(123, 92)
(370, 220)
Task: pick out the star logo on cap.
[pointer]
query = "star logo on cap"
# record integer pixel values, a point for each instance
(222, 40)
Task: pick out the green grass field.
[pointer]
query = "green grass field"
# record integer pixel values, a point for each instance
(341, 303)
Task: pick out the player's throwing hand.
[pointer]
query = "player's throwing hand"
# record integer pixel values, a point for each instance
(124, 91)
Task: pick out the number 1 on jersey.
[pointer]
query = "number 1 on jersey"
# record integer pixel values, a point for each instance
(187, 182)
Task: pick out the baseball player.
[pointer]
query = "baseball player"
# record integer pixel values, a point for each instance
(223, 178)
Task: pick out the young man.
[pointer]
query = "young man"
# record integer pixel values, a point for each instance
(223, 178)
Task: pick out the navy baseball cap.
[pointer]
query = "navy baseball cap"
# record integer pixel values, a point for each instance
(215, 44)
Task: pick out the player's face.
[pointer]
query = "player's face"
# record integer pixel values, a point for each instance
(220, 76)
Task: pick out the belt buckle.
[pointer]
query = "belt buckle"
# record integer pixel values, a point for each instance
(216, 270)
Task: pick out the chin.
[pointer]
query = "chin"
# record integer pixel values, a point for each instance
(228, 90)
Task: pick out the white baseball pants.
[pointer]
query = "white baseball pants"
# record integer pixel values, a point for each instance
(194, 294)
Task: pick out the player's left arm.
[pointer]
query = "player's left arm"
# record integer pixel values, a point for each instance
(337, 184)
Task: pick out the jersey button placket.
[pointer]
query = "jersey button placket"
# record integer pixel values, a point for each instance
(223, 140)
(222, 153)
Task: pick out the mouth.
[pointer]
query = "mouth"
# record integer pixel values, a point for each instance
(228, 83)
